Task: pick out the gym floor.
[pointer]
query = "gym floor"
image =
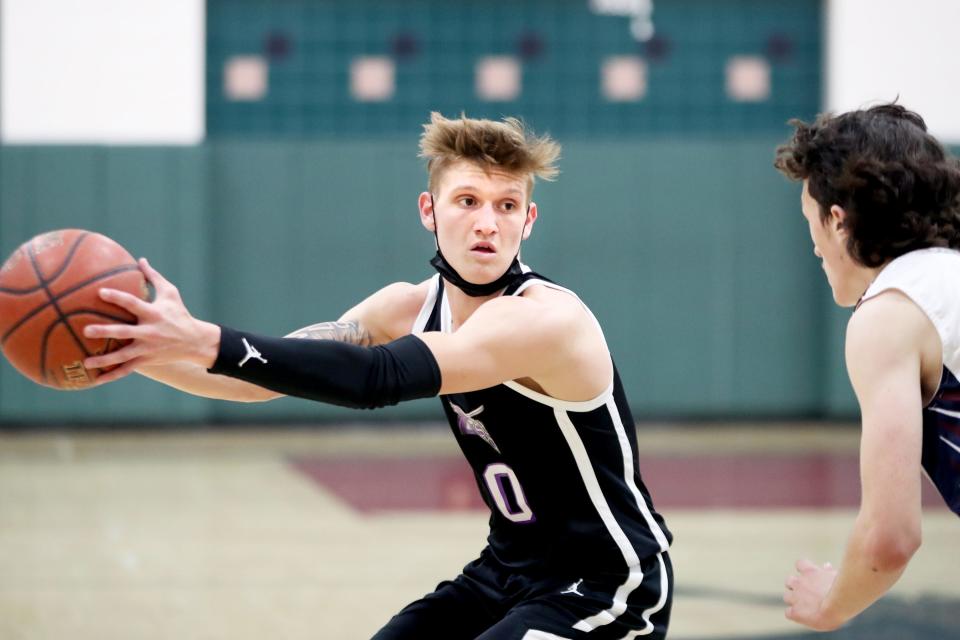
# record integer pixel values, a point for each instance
(325, 533)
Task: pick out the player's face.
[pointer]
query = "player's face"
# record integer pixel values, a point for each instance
(480, 217)
(847, 279)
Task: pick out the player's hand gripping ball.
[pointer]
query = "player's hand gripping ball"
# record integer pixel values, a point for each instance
(49, 291)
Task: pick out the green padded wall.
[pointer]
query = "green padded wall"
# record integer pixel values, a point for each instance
(693, 255)
(153, 201)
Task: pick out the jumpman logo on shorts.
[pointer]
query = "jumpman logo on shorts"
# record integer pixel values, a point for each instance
(251, 353)
(574, 588)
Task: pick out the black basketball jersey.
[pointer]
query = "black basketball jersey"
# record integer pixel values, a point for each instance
(560, 478)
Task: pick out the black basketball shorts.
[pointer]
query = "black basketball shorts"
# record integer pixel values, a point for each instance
(488, 602)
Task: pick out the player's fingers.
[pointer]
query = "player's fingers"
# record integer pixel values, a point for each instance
(113, 358)
(116, 331)
(805, 566)
(162, 288)
(131, 303)
(827, 565)
(115, 374)
(791, 582)
(789, 614)
(154, 276)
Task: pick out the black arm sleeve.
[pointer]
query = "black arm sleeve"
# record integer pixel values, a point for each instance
(330, 371)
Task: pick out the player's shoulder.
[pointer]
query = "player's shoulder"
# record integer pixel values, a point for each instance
(888, 323)
(395, 307)
(557, 300)
(891, 308)
(405, 294)
(542, 310)
(558, 321)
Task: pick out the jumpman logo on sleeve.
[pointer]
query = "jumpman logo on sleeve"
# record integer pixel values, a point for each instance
(251, 353)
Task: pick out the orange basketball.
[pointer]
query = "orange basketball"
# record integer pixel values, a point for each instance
(49, 293)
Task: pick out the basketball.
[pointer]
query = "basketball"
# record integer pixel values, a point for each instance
(49, 291)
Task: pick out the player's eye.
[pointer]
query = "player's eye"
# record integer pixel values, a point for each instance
(467, 201)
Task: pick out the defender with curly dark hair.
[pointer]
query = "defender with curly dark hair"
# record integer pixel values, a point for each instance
(881, 197)
(900, 189)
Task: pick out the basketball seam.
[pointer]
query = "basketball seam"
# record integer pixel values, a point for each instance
(68, 258)
(64, 294)
(75, 312)
(57, 274)
(43, 347)
(56, 307)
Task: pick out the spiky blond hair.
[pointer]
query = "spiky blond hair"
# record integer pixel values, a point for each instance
(503, 146)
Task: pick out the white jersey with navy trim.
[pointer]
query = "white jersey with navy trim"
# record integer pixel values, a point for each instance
(931, 279)
(560, 478)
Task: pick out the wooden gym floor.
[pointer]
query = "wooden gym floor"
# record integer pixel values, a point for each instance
(302, 533)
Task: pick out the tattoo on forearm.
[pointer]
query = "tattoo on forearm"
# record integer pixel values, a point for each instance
(351, 331)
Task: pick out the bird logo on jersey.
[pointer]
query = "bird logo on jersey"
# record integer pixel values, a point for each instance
(470, 426)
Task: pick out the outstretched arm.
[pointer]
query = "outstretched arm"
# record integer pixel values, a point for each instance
(505, 339)
(884, 363)
(167, 317)
(548, 340)
(197, 380)
(552, 341)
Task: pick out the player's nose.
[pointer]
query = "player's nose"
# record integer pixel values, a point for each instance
(485, 221)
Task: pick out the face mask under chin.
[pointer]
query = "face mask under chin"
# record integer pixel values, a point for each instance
(446, 270)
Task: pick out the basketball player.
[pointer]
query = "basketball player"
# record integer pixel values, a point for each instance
(882, 200)
(576, 549)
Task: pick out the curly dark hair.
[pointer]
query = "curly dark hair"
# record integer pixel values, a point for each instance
(899, 187)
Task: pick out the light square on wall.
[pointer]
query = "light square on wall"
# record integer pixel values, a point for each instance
(498, 78)
(748, 79)
(372, 78)
(624, 78)
(245, 78)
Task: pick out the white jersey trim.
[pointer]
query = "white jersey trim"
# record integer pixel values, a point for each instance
(629, 476)
(599, 501)
(563, 405)
(446, 315)
(664, 587)
(427, 308)
(946, 412)
(950, 444)
(592, 485)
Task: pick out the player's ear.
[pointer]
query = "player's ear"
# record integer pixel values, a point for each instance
(838, 219)
(531, 218)
(425, 203)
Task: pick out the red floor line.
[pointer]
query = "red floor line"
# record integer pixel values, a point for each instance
(708, 481)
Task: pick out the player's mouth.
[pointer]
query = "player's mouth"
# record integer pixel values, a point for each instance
(483, 248)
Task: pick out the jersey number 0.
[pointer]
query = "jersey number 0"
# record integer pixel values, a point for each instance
(505, 489)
